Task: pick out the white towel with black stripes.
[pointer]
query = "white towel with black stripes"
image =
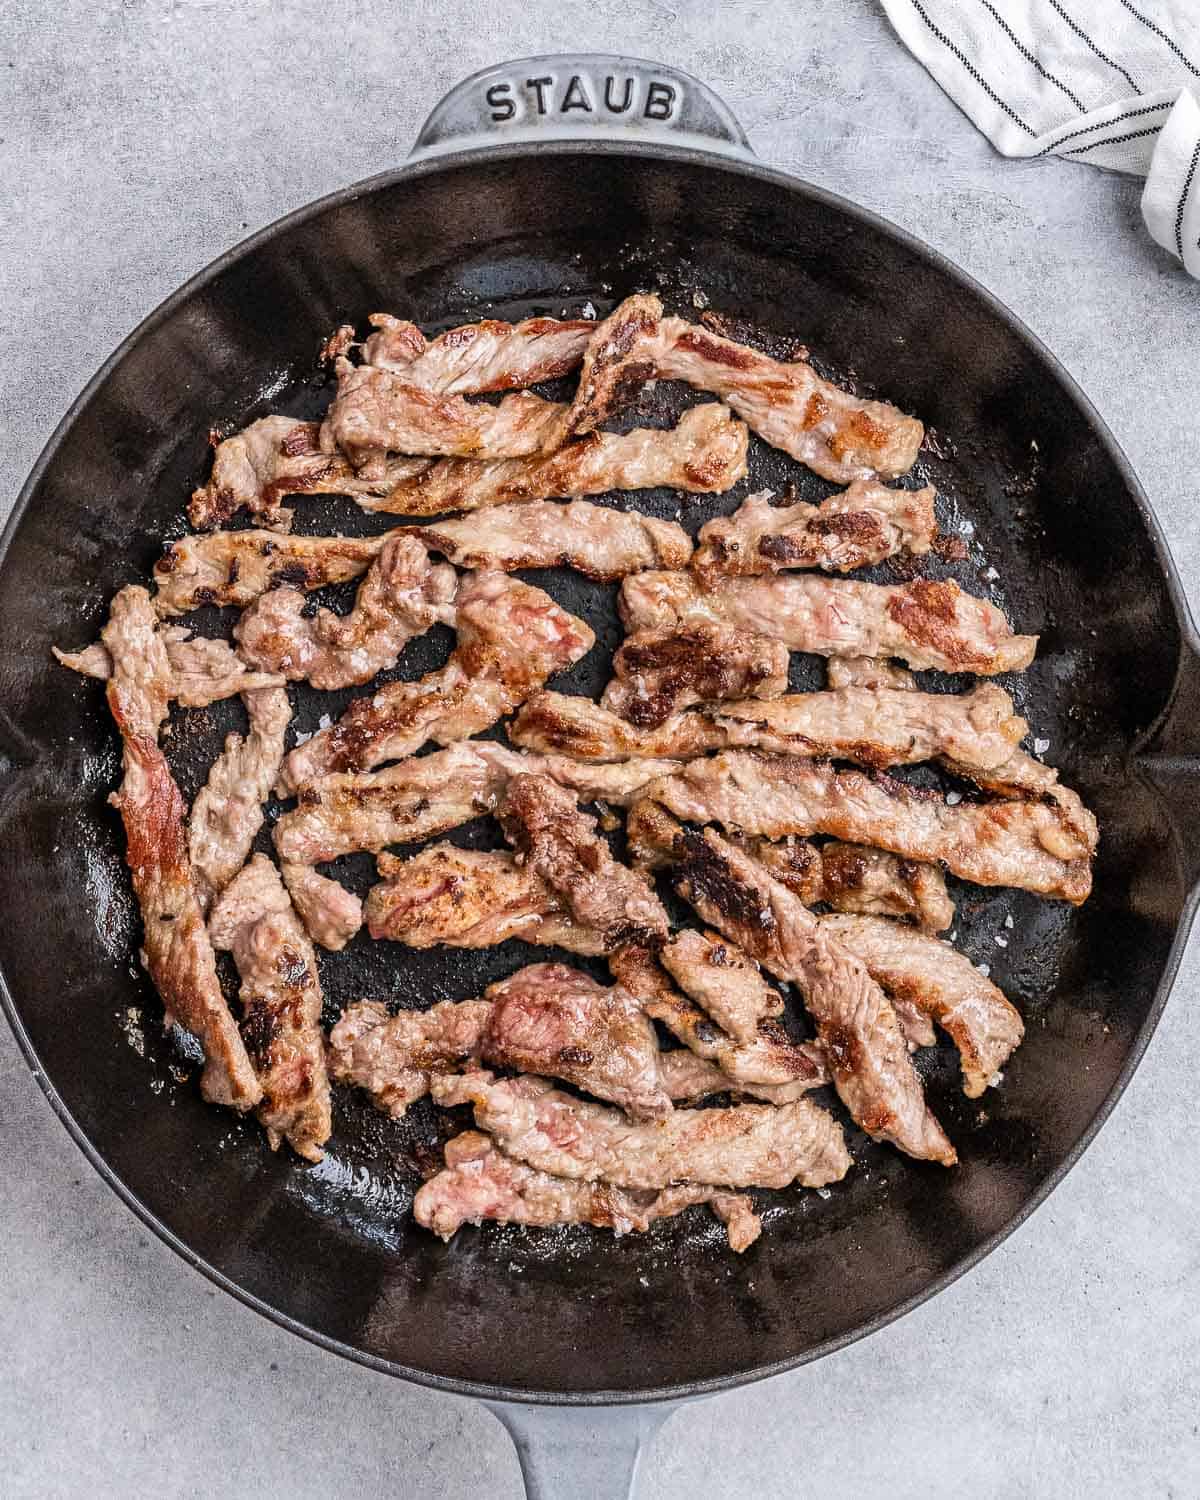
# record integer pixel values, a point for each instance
(1109, 82)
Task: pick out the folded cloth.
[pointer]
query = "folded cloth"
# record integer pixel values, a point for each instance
(1110, 82)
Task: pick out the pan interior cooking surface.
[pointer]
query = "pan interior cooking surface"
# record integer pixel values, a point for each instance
(1052, 534)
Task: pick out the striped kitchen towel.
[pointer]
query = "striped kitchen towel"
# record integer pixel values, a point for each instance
(1110, 82)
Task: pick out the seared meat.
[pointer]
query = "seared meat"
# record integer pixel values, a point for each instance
(392, 1057)
(595, 540)
(331, 914)
(588, 731)
(479, 1182)
(751, 1145)
(511, 637)
(431, 794)
(203, 671)
(704, 454)
(854, 878)
(546, 1018)
(176, 951)
(862, 525)
(656, 672)
(882, 727)
(560, 843)
(402, 595)
(379, 411)
(770, 1059)
(277, 456)
(856, 1025)
(281, 1006)
(1045, 847)
(839, 436)
(934, 979)
(228, 810)
(723, 980)
(868, 672)
(684, 1074)
(925, 623)
(484, 356)
(235, 567)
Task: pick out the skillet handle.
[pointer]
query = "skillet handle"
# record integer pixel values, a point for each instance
(572, 1452)
(581, 95)
(1169, 757)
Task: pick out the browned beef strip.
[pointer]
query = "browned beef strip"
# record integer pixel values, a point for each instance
(511, 638)
(480, 1182)
(559, 842)
(485, 356)
(868, 672)
(704, 454)
(685, 1075)
(176, 950)
(925, 623)
(750, 1145)
(934, 979)
(854, 878)
(856, 1025)
(597, 540)
(658, 672)
(203, 670)
(378, 411)
(575, 726)
(1045, 847)
(331, 914)
(769, 1060)
(431, 794)
(864, 524)
(235, 567)
(277, 456)
(402, 595)
(723, 980)
(546, 1018)
(228, 810)
(281, 1006)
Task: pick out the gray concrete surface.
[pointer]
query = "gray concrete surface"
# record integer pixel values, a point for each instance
(140, 139)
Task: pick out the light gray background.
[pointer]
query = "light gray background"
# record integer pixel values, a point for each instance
(138, 140)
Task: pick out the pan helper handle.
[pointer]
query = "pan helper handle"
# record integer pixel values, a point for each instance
(581, 95)
(581, 1452)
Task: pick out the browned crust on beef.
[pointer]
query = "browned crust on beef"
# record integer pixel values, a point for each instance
(658, 672)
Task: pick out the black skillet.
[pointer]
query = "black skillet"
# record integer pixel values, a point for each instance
(519, 199)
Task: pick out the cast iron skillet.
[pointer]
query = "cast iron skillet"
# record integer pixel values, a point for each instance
(507, 213)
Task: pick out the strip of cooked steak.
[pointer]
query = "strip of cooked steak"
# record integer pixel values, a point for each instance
(750, 1145)
(203, 670)
(862, 525)
(379, 411)
(228, 810)
(940, 982)
(1046, 847)
(276, 456)
(596, 540)
(657, 672)
(685, 1075)
(723, 980)
(331, 914)
(769, 1060)
(560, 843)
(485, 356)
(546, 1018)
(281, 1006)
(235, 567)
(431, 794)
(480, 1182)
(402, 595)
(868, 672)
(704, 454)
(863, 1044)
(511, 638)
(925, 623)
(577, 727)
(176, 951)
(839, 436)
(855, 878)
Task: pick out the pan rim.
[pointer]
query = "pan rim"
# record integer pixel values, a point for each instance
(742, 167)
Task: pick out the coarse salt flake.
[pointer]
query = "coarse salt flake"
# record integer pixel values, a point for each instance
(1008, 921)
(953, 799)
(589, 311)
(1001, 940)
(1041, 746)
(324, 721)
(984, 969)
